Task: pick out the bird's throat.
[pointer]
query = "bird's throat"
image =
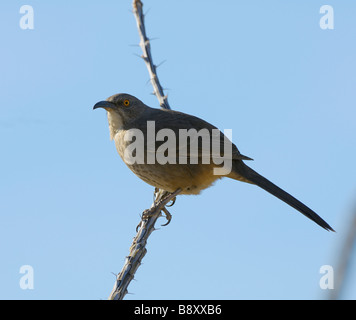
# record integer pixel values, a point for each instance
(115, 123)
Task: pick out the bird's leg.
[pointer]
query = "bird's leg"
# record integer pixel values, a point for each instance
(156, 194)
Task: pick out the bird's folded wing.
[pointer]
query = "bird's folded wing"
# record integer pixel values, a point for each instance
(181, 135)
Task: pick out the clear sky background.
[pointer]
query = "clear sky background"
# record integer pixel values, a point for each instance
(265, 69)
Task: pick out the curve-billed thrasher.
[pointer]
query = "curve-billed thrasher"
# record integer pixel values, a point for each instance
(128, 116)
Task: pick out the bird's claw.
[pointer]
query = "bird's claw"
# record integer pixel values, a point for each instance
(173, 201)
(168, 216)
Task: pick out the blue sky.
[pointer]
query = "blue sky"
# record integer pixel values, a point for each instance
(69, 206)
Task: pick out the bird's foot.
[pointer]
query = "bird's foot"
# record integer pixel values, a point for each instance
(169, 200)
(148, 213)
(162, 199)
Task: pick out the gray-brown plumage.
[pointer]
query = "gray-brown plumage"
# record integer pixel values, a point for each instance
(126, 112)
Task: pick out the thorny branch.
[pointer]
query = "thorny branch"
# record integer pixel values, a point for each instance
(147, 56)
(162, 198)
(138, 247)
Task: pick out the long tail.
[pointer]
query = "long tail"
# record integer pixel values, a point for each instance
(242, 172)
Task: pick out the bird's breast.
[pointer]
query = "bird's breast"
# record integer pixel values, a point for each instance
(191, 178)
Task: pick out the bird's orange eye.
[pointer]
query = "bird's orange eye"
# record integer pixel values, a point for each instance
(126, 103)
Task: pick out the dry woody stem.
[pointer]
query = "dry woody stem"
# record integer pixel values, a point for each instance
(162, 198)
(147, 56)
(138, 247)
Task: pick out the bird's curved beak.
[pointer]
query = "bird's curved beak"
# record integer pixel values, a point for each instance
(104, 104)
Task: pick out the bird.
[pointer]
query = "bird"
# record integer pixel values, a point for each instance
(141, 135)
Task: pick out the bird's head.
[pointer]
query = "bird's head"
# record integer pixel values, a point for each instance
(122, 108)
